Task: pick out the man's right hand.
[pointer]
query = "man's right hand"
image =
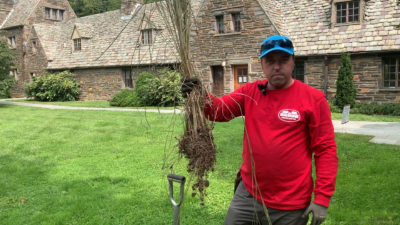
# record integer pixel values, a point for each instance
(188, 84)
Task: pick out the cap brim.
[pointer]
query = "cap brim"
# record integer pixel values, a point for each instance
(276, 48)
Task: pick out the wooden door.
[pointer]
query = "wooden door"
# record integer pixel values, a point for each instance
(218, 80)
(240, 76)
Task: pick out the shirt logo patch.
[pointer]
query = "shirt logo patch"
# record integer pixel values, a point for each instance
(289, 115)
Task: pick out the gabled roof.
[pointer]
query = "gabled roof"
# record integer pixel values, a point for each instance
(273, 10)
(115, 41)
(84, 30)
(308, 24)
(49, 36)
(20, 13)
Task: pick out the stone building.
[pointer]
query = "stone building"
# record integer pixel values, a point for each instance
(17, 18)
(107, 51)
(230, 33)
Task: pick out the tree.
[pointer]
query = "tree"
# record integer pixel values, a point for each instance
(90, 7)
(345, 88)
(6, 62)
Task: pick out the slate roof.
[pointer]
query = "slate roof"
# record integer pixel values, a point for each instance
(308, 24)
(84, 30)
(22, 11)
(114, 41)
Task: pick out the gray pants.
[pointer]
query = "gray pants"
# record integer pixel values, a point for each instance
(246, 210)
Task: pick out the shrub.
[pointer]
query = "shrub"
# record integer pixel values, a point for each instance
(5, 87)
(147, 89)
(170, 88)
(163, 89)
(54, 87)
(374, 108)
(334, 108)
(125, 98)
(345, 89)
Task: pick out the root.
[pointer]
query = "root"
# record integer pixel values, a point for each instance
(197, 143)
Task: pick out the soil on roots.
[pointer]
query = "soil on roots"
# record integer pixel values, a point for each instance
(199, 148)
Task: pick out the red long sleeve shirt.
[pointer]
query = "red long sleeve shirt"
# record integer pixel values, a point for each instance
(283, 129)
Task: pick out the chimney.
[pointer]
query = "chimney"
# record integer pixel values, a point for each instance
(128, 6)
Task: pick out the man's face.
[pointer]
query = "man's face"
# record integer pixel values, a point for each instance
(278, 67)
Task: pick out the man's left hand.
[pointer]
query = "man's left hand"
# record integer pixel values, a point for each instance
(318, 211)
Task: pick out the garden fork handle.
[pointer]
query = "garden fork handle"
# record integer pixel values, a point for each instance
(179, 179)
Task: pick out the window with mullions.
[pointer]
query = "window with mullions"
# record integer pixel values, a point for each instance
(236, 22)
(77, 44)
(220, 24)
(128, 81)
(147, 37)
(54, 14)
(12, 42)
(347, 12)
(298, 72)
(391, 72)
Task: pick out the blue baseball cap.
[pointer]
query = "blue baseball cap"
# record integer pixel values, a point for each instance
(276, 43)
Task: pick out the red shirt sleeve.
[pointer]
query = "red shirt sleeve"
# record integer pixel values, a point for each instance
(226, 107)
(324, 147)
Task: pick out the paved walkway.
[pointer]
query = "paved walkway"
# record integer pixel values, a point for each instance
(10, 102)
(383, 132)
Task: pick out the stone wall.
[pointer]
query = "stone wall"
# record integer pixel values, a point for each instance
(35, 59)
(19, 51)
(99, 84)
(104, 83)
(368, 76)
(232, 48)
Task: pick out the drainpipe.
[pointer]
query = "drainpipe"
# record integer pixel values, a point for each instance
(325, 86)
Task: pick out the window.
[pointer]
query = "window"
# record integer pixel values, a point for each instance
(391, 72)
(236, 22)
(220, 24)
(34, 46)
(54, 14)
(298, 72)
(11, 42)
(47, 12)
(128, 82)
(60, 15)
(77, 44)
(14, 73)
(347, 12)
(147, 37)
(32, 76)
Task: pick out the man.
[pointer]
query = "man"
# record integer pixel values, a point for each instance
(286, 123)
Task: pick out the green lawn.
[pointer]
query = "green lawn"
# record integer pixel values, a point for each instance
(102, 167)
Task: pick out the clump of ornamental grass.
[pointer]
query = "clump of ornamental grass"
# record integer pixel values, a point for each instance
(197, 143)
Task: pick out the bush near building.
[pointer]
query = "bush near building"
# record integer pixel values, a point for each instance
(54, 87)
(162, 89)
(345, 88)
(372, 108)
(6, 62)
(125, 98)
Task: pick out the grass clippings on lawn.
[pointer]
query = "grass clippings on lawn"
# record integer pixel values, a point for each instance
(101, 167)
